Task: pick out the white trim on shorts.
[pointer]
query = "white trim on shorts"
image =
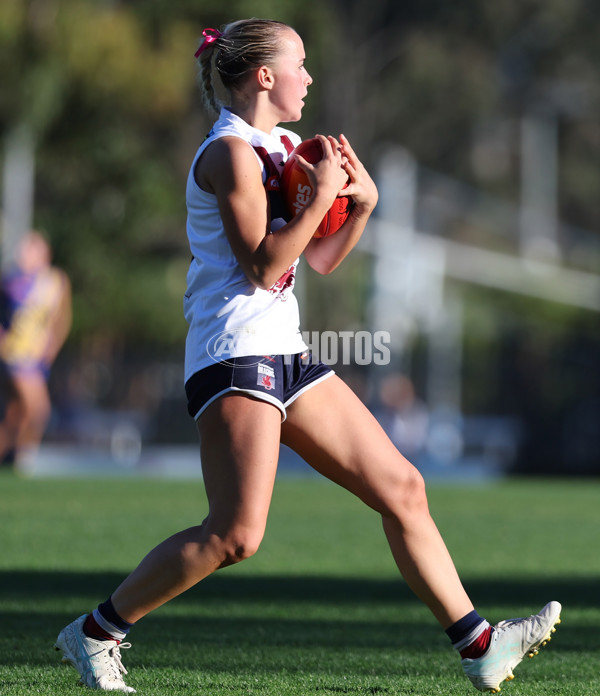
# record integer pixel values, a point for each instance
(262, 396)
(307, 387)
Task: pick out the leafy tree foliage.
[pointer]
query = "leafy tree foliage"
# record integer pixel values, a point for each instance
(108, 89)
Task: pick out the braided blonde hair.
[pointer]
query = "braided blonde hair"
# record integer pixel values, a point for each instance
(242, 47)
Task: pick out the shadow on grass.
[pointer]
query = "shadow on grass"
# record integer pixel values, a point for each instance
(16, 585)
(234, 619)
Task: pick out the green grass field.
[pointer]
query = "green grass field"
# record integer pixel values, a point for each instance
(320, 610)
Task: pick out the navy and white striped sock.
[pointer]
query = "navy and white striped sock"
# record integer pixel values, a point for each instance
(470, 635)
(105, 624)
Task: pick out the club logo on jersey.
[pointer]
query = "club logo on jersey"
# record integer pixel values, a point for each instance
(265, 376)
(285, 282)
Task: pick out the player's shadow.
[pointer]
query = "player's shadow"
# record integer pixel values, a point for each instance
(228, 609)
(577, 592)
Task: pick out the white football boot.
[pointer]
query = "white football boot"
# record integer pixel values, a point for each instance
(97, 661)
(510, 641)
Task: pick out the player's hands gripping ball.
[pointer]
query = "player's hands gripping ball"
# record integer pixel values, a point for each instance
(297, 189)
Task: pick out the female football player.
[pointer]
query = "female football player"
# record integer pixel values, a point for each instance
(251, 383)
(36, 322)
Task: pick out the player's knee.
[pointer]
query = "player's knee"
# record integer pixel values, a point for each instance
(405, 494)
(238, 545)
(416, 488)
(224, 548)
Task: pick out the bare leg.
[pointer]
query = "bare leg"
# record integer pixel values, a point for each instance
(239, 449)
(26, 415)
(349, 447)
(9, 428)
(35, 399)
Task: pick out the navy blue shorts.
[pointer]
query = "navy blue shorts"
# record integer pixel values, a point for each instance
(276, 379)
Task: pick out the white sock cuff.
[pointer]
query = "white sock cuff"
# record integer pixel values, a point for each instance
(482, 626)
(109, 627)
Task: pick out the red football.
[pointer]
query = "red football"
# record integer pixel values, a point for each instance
(297, 191)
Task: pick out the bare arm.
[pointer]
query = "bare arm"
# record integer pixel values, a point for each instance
(229, 169)
(61, 322)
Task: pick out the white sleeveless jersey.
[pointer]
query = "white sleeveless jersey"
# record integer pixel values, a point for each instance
(227, 315)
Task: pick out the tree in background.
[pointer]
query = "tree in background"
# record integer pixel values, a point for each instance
(106, 90)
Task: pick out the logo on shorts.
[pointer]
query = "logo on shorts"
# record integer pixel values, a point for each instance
(265, 376)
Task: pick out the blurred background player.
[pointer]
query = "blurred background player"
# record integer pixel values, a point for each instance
(36, 320)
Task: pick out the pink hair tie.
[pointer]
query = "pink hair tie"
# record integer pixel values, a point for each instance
(210, 36)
